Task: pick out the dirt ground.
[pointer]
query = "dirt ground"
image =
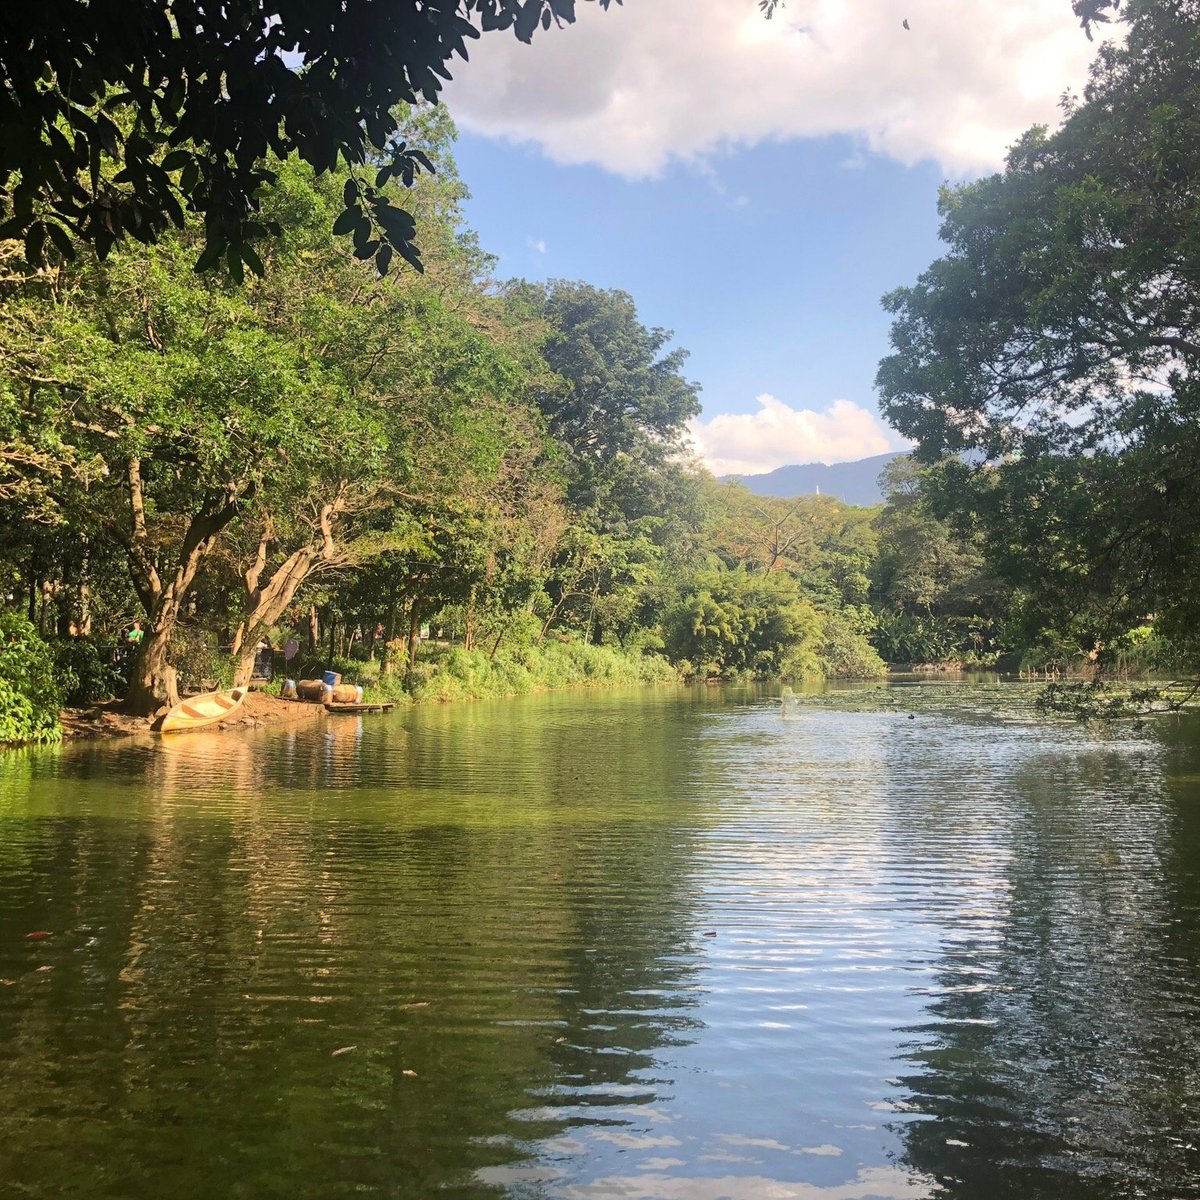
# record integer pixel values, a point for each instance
(258, 709)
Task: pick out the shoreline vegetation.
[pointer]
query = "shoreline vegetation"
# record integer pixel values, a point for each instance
(458, 676)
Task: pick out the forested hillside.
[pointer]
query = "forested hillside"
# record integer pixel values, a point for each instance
(854, 482)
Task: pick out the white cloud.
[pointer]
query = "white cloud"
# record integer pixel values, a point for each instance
(538, 244)
(777, 435)
(656, 80)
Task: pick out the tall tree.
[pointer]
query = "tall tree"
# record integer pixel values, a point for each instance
(1057, 343)
(174, 402)
(617, 401)
(298, 407)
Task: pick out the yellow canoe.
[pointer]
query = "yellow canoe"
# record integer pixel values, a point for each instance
(197, 711)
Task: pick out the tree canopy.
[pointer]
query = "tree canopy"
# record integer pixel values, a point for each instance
(117, 115)
(615, 397)
(1055, 350)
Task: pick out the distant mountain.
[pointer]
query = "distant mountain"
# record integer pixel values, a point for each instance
(853, 482)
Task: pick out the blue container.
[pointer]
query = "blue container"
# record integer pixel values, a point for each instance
(331, 677)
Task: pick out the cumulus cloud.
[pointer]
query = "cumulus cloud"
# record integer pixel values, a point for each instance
(777, 435)
(635, 87)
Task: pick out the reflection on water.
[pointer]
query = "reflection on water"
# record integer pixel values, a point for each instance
(904, 942)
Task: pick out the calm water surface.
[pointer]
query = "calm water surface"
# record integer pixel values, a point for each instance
(894, 942)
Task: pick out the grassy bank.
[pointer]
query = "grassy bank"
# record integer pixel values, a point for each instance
(452, 673)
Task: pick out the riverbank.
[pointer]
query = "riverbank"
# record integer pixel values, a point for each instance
(258, 709)
(454, 674)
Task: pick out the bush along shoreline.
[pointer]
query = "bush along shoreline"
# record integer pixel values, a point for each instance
(71, 684)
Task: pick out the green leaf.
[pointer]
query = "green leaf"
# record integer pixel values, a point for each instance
(527, 19)
(233, 260)
(412, 256)
(362, 232)
(210, 256)
(424, 160)
(398, 223)
(347, 219)
(62, 239)
(251, 259)
(35, 238)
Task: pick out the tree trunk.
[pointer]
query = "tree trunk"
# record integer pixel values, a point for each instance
(243, 663)
(592, 614)
(153, 686)
(314, 629)
(469, 623)
(499, 638)
(47, 600)
(414, 632)
(263, 604)
(83, 603)
(389, 630)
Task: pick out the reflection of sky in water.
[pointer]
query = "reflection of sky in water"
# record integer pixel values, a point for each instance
(856, 912)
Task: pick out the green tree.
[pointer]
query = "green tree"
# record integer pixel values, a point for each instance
(29, 695)
(299, 406)
(925, 567)
(826, 545)
(616, 401)
(92, 93)
(734, 621)
(1057, 343)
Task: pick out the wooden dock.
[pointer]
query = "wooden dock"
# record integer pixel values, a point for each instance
(384, 706)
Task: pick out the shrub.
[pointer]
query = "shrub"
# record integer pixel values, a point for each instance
(199, 660)
(29, 696)
(85, 672)
(845, 651)
(458, 674)
(734, 623)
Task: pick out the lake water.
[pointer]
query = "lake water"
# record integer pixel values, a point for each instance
(893, 942)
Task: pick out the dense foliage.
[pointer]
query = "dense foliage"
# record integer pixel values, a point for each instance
(343, 460)
(116, 116)
(447, 487)
(29, 695)
(1054, 352)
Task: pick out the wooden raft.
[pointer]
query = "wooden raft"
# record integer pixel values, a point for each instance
(384, 706)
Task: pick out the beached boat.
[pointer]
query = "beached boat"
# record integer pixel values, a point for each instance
(197, 711)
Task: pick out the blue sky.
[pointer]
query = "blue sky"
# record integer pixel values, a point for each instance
(755, 186)
(769, 267)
